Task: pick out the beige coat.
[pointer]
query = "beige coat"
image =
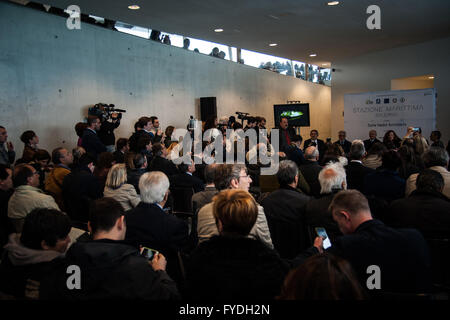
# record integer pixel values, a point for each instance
(126, 195)
(25, 199)
(206, 225)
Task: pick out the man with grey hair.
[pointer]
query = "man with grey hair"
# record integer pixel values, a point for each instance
(231, 176)
(148, 224)
(343, 142)
(284, 209)
(435, 159)
(355, 170)
(311, 170)
(332, 180)
(372, 140)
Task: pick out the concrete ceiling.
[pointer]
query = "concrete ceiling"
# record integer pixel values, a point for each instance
(299, 27)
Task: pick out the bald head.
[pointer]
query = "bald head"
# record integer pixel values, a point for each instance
(332, 177)
(312, 154)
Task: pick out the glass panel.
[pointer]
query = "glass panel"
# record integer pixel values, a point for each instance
(175, 40)
(267, 62)
(207, 47)
(134, 30)
(299, 69)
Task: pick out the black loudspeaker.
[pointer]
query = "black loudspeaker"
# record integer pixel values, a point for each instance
(208, 108)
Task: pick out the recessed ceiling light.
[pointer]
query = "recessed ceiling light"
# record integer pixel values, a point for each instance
(218, 30)
(432, 77)
(134, 7)
(324, 64)
(273, 44)
(333, 3)
(313, 55)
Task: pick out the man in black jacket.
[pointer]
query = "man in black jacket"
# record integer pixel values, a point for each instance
(160, 161)
(285, 134)
(148, 224)
(140, 167)
(315, 142)
(385, 259)
(343, 142)
(355, 170)
(185, 179)
(426, 208)
(371, 141)
(311, 170)
(90, 140)
(108, 267)
(79, 188)
(284, 209)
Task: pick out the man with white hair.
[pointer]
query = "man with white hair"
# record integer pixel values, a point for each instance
(311, 170)
(355, 170)
(148, 224)
(332, 180)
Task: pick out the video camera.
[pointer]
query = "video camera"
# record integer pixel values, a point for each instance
(242, 115)
(106, 111)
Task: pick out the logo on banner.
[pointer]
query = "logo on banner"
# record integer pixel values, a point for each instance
(368, 101)
(378, 101)
(394, 100)
(386, 100)
(402, 99)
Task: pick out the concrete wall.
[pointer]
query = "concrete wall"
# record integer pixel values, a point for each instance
(50, 75)
(374, 72)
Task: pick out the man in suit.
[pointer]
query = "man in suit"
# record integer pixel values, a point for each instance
(355, 170)
(372, 139)
(294, 151)
(285, 134)
(160, 161)
(315, 142)
(121, 148)
(386, 259)
(343, 142)
(7, 153)
(311, 169)
(90, 140)
(284, 209)
(185, 179)
(148, 224)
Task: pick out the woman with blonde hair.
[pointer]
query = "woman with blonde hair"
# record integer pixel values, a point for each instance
(117, 188)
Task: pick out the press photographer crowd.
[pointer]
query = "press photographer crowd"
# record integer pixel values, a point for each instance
(116, 218)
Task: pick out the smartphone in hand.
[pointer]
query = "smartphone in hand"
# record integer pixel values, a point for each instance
(148, 253)
(322, 233)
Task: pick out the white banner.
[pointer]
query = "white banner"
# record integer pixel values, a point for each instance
(389, 110)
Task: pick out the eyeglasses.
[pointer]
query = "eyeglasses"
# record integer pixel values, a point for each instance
(247, 176)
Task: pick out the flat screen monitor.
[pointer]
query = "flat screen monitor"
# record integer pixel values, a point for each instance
(297, 114)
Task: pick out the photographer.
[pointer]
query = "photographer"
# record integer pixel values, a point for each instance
(106, 132)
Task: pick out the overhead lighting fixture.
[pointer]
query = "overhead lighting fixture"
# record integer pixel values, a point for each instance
(324, 64)
(273, 44)
(218, 30)
(333, 3)
(432, 77)
(134, 7)
(313, 55)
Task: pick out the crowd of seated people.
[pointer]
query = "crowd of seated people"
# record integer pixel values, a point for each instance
(380, 202)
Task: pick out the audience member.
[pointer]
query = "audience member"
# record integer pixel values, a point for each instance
(80, 187)
(135, 172)
(117, 188)
(323, 277)
(90, 140)
(77, 153)
(168, 136)
(371, 141)
(231, 265)
(334, 153)
(425, 209)
(156, 130)
(79, 129)
(159, 161)
(121, 149)
(435, 137)
(148, 224)
(30, 140)
(294, 151)
(385, 183)
(6, 191)
(355, 170)
(104, 163)
(374, 155)
(284, 209)
(33, 254)
(343, 142)
(186, 43)
(185, 179)
(311, 169)
(391, 140)
(332, 180)
(204, 197)
(401, 255)
(410, 162)
(27, 196)
(62, 159)
(109, 268)
(232, 176)
(7, 153)
(435, 159)
(315, 142)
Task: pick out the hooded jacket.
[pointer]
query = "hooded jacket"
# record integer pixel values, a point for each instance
(109, 270)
